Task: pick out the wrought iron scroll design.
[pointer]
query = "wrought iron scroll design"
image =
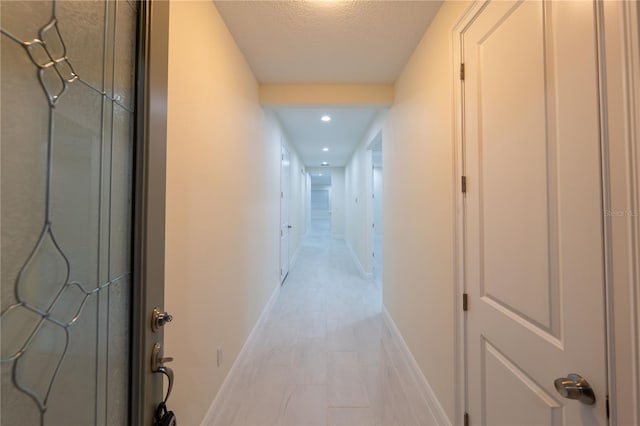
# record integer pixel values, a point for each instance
(51, 65)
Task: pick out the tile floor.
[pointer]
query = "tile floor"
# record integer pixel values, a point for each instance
(324, 355)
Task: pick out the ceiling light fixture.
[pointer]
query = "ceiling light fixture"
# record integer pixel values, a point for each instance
(324, 163)
(325, 149)
(325, 118)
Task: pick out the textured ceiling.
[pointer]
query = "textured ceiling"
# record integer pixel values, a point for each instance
(327, 41)
(309, 134)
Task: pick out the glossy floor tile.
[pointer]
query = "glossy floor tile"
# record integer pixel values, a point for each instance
(324, 355)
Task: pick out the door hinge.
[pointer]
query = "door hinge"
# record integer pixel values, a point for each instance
(465, 302)
(463, 183)
(466, 419)
(462, 71)
(607, 406)
(282, 195)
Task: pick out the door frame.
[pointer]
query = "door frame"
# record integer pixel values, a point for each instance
(148, 242)
(618, 30)
(619, 69)
(460, 341)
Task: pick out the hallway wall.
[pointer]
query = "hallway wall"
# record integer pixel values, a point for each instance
(419, 206)
(223, 203)
(358, 204)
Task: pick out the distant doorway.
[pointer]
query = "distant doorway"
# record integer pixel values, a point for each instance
(321, 203)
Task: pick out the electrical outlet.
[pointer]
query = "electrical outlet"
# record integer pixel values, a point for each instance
(220, 354)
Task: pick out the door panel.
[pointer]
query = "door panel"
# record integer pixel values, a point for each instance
(535, 406)
(533, 224)
(67, 188)
(513, 123)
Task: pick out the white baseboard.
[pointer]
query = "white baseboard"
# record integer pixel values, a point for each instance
(219, 400)
(366, 275)
(423, 385)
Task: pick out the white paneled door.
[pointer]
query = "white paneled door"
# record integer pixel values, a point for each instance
(533, 213)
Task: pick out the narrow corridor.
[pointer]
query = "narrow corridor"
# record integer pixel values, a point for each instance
(324, 354)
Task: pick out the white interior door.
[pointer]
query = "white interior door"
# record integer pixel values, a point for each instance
(284, 214)
(533, 213)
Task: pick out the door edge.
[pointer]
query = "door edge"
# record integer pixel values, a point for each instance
(149, 204)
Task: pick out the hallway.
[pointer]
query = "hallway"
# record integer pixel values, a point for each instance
(320, 212)
(323, 354)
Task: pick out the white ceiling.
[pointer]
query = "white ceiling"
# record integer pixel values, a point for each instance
(340, 41)
(309, 134)
(327, 41)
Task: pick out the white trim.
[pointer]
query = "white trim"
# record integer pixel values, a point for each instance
(459, 344)
(225, 388)
(365, 275)
(620, 86)
(426, 391)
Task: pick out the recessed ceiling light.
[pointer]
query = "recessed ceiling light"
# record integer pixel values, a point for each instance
(325, 118)
(324, 163)
(325, 149)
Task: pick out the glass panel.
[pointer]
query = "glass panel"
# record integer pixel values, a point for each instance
(66, 181)
(25, 121)
(121, 193)
(117, 403)
(75, 201)
(24, 19)
(125, 49)
(73, 395)
(82, 25)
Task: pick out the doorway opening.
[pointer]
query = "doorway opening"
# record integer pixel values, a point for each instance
(320, 203)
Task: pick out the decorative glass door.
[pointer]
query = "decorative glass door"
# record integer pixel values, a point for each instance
(67, 111)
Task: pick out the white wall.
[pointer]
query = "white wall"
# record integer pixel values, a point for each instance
(358, 201)
(418, 206)
(223, 202)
